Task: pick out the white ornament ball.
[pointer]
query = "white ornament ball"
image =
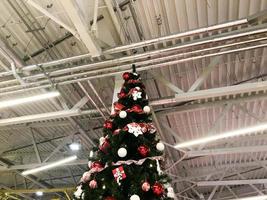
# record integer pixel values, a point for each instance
(123, 114)
(134, 197)
(147, 109)
(160, 146)
(122, 152)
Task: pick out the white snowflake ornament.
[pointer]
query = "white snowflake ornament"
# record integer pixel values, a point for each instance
(136, 95)
(135, 129)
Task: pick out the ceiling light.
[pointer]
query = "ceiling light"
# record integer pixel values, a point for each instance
(39, 193)
(75, 146)
(14, 102)
(254, 198)
(212, 138)
(49, 166)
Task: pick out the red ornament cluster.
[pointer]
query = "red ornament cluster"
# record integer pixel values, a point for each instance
(108, 124)
(126, 76)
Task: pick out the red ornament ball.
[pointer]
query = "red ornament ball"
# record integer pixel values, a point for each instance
(93, 184)
(108, 124)
(110, 198)
(143, 150)
(126, 76)
(158, 189)
(122, 94)
(146, 186)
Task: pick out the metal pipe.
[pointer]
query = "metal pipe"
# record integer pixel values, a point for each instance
(120, 69)
(147, 55)
(175, 36)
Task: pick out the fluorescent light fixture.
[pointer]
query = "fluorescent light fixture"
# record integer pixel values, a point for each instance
(238, 132)
(14, 102)
(39, 193)
(264, 197)
(49, 166)
(39, 117)
(75, 146)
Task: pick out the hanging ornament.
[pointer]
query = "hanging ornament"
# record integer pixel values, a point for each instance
(97, 166)
(160, 172)
(126, 76)
(116, 132)
(151, 128)
(89, 164)
(136, 93)
(160, 146)
(158, 189)
(135, 129)
(78, 193)
(122, 94)
(122, 152)
(135, 197)
(91, 155)
(123, 114)
(108, 124)
(143, 150)
(118, 107)
(104, 144)
(147, 109)
(136, 109)
(170, 192)
(119, 174)
(86, 177)
(93, 184)
(143, 127)
(133, 81)
(145, 186)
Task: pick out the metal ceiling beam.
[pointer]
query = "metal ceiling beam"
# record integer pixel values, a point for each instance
(167, 83)
(239, 89)
(231, 182)
(206, 72)
(224, 151)
(80, 24)
(222, 91)
(55, 19)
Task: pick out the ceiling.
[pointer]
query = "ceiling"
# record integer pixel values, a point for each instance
(183, 50)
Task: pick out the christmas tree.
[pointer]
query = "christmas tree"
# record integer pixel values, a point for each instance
(126, 163)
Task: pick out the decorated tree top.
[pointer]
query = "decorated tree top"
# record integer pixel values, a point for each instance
(126, 163)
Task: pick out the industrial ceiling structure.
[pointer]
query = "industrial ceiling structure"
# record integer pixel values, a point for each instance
(204, 64)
